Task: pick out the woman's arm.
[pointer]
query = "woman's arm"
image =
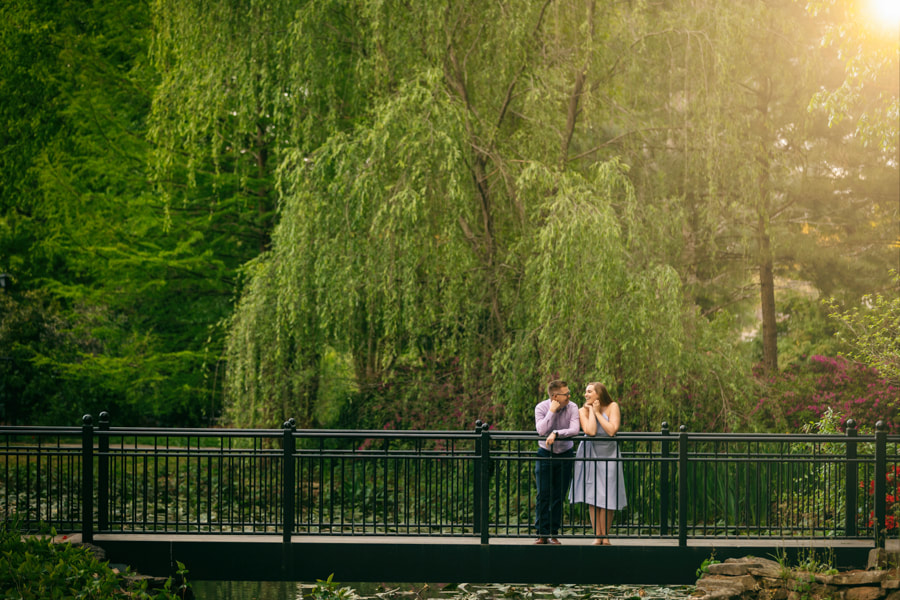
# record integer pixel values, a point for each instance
(611, 427)
(588, 419)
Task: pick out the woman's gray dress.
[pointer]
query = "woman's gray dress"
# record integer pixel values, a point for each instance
(599, 482)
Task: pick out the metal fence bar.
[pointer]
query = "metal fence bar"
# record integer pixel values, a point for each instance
(880, 482)
(851, 480)
(87, 479)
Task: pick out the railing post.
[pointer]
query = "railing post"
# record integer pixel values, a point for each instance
(682, 485)
(287, 477)
(852, 480)
(485, 485)
(87, 479)
(664, 482)
(476, 490)
(103, 474)
(880, 482)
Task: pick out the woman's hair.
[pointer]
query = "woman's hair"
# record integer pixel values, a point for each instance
(602, 393)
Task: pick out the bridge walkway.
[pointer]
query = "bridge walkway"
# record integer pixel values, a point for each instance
(456, 559)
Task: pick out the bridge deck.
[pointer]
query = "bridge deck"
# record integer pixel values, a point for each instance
(454, 559)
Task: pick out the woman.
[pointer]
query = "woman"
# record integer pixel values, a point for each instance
(599, 480)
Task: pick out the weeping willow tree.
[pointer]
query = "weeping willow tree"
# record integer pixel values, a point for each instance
(446, 238)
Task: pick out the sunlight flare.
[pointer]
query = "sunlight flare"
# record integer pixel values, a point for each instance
(886, 13)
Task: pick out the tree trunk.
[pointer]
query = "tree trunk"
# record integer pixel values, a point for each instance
(763, 237)
(767, 297)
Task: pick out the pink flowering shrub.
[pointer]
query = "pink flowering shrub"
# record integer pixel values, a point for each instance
(803, 391)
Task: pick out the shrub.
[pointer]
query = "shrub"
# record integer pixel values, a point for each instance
(35, 568)
(805, 390)
(892, 498)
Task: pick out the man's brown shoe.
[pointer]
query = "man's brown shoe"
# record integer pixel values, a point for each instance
(540, 541)
(553, 541)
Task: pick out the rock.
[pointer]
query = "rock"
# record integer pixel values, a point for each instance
(855, 578)
(757, 562)
(863, 593)
(738, 584)
(753, 578)
(731, 568)
(877, 559)
(768, 572)
(98, 552)
(771, 583)
(776, 593)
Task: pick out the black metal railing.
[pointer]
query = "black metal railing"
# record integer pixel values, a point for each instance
(478, 483)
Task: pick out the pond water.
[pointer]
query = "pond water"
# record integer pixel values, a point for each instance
(285, 590)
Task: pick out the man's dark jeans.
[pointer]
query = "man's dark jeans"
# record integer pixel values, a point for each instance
(553, 475)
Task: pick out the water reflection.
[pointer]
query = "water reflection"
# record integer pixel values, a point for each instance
(287, 590)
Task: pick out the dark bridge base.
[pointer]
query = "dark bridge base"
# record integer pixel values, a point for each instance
(455, 560)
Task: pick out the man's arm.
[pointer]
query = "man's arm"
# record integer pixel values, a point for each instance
(543, 419)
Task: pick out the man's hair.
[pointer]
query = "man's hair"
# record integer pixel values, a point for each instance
(556, 385)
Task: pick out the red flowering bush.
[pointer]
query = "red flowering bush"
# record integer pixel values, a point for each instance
(892, 497)
(805, 390)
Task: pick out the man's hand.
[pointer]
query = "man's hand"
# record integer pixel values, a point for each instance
(551, 438)
(554, 406)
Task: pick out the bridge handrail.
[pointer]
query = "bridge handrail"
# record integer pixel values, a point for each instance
(481, 469)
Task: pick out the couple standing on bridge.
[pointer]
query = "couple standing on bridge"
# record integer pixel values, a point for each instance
(598, 478)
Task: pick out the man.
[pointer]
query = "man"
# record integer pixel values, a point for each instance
(556, 420)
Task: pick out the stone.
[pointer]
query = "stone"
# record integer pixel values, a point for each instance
(856, 578)
(751, 561)
(98, 552)
(768, 572)
(765, 563)
(722, 594)
(775, 593)
(882, 558)
(877, 559)
(863, 593)
(739, 583)
(771, 583)
(729, 568)
(751, 578)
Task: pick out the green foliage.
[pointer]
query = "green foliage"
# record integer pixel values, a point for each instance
(36, 568)
(369, 213)
(872, 329)
(704, 566)
(869, 93)
(438, 285)
(127, 291)
(810, 561)
(331, 590)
